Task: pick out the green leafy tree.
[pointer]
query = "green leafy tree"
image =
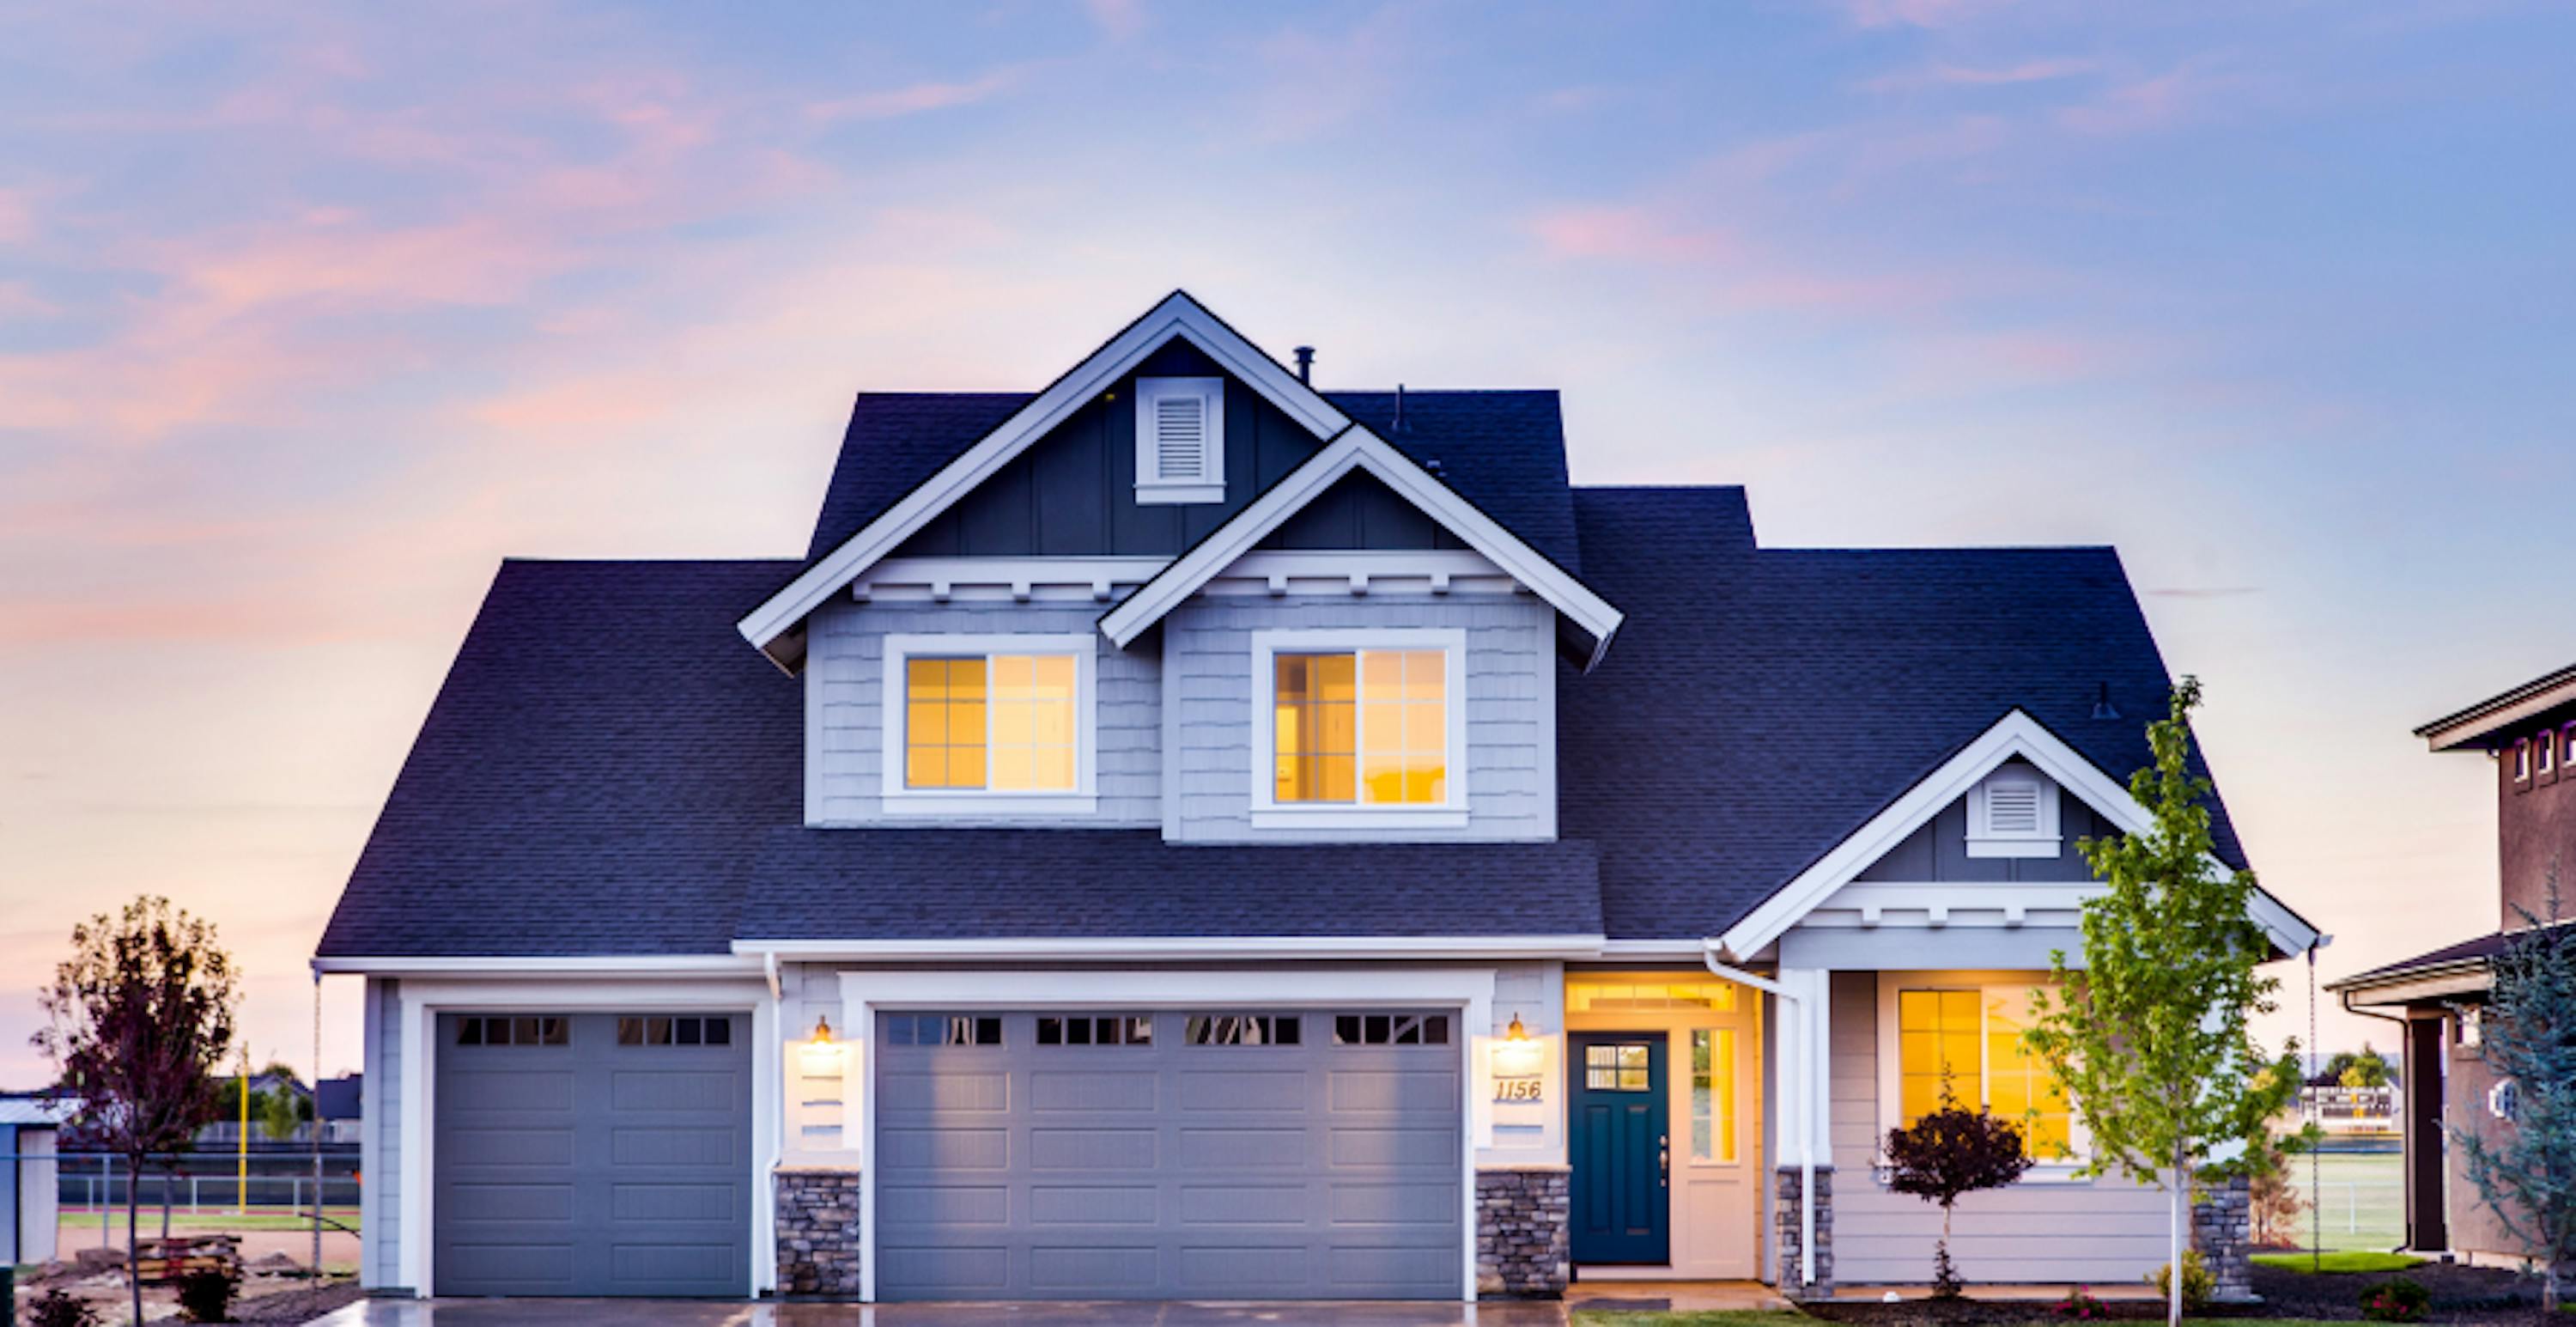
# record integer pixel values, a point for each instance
(1948, 1154)
(2526, 1171)
(139, 1017)
(2149, 1035)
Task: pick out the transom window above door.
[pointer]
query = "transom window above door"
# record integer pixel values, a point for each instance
(1368, 723)
(986, 724)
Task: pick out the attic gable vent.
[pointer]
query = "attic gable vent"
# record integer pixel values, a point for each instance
(1180, 440)
(2013, 813)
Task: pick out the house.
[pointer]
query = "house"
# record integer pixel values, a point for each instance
(30, 1138)
(1185, 833)
(2529, 733)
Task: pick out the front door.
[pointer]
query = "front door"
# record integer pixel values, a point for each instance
(1622, 1148)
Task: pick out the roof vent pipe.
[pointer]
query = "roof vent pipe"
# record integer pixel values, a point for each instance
(1306, 365)
(1398, 426)
(2102, 706)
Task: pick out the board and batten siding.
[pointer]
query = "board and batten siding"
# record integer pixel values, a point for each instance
(2102, 1231)
(817, 1108)
(1510, 711)
(380, 1138)
(845, 700)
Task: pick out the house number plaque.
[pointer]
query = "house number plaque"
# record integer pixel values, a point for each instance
(1517, 1089)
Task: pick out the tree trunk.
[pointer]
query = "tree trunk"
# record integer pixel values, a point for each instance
(2552, 1278)
(2181, 1207)
(133, 1219)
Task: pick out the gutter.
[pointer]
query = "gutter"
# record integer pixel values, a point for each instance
(1806, 1117)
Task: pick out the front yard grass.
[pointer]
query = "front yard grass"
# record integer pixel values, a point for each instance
(2347, 1260)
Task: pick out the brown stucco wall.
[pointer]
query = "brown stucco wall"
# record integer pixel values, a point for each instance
(2474, 1227)
(2535, 824)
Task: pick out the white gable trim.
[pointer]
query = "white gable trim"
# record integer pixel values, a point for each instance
(1177, 316)
(2016, 734)
(1359, 449)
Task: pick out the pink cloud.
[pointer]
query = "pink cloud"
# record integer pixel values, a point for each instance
(1631, 233)
(2143, 105)
(1949, 75)
(1918, 13)
(895, 103)
(1120, 19)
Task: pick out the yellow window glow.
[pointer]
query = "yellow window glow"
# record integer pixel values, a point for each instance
(1362, 726)
(1004, 723)
(1936, 1038)
(2019, 1086)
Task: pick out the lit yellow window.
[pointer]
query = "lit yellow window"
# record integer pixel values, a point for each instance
(1003, 723)
(1974, 1039)
(1713, 1094)
(1368, 726)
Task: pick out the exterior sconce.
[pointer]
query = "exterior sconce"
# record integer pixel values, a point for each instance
(821, 1056)
(1517, 1060)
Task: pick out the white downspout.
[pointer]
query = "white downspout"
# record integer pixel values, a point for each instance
(1806, 1108)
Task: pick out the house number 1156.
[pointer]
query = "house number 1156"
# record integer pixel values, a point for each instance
(1516, 1089)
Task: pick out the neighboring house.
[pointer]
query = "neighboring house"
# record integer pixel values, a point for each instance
(2529, 733)
(1186, 834)
(339, 1104)
(30, 1138)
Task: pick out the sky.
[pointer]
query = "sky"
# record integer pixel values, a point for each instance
(309, 315)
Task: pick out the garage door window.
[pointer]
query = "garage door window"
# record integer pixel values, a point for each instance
(689, 1030)
(1096, 1030)
(1391, 1029)
(515, 1030)
(1241, 1030)
(943, 1030)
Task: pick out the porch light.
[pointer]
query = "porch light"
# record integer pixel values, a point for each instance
(1516, 1032)
(1517, 1055)
(820, 1056)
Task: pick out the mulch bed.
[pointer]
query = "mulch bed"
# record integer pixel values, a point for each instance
(299, 1305)
(2460, 1294)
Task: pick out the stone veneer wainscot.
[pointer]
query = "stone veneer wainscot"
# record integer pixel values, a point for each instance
(818, 1233)
(1524, 1249)
(1786, 1188)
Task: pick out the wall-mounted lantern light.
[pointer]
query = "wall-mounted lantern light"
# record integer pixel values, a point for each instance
(821, 1056)
(1517, 1060)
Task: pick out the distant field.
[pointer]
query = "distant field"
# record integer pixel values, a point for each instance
(208, 1219)
(2361, 1200)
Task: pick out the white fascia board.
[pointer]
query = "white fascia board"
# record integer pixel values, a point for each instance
(1183, 949)
(1178, 315)
(1359, 449)
(545, 967)
(2016, 734)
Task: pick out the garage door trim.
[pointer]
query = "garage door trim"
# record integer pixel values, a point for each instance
(1466, 991)
(422, 1000)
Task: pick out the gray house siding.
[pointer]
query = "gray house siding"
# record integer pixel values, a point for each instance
(845, 674)
(1938, 852)
(1073, 492)
(380, 1136)
(1510, 711)
(2104, 1231)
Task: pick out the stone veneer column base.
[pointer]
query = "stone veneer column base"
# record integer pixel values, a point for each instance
(818, 1233)
(1790, 1231)
(1523, 1247)
(2222, 1229)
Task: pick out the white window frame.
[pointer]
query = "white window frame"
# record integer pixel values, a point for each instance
(1891, 1078)
(1985, 841)
(2545, 746)
(1270, 813)
(2522, 761)
(898, 800)
(1152, 488)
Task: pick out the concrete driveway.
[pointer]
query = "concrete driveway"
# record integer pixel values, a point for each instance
(670, 1313)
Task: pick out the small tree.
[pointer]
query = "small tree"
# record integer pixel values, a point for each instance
(2368, 1069)
(2149, 1035)
(1946, 1155)
(139, 1017)
(2527, 1170)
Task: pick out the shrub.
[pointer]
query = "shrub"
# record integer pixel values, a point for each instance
(2197, 1284)
(56, 1309)
(207, 1295)
(1946, 1155)
(2080, 1306)
(2397, 1299)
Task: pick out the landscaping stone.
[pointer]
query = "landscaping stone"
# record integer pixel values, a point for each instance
(818, 1233)
(2222, 1229)
(1524, 1247)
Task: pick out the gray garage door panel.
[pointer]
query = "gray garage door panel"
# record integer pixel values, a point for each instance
(581, 1166)
(1312, 1171)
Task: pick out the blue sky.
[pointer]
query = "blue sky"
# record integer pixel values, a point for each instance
(309, 316)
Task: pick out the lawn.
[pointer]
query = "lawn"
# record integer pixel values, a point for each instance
(2347, 1260)
(210, 1219)
(1705, 1318)
(2361, 1200)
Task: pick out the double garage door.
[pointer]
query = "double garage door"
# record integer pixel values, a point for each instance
(1106, 1154)
(592, 1154)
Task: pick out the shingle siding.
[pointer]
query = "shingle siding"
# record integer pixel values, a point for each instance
(1510, 710)
(845, 680)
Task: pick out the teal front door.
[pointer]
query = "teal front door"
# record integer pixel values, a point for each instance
(1622, 1148)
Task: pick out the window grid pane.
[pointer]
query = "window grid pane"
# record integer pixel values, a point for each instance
(1936, 1043)
(1315, 720)
(944, 722)
(1713, 1094)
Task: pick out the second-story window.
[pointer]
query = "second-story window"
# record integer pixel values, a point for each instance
(987, 720)
(2522, 760)
(1361, 726)
(2545, 748)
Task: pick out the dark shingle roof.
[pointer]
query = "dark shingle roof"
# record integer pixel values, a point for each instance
(931, 884)
(1502, 450)
(591, 774)
(1822, 685)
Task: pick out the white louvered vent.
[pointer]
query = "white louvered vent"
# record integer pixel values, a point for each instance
(1180, 440)
(2013, 813)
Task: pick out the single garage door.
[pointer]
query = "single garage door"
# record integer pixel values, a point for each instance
(1101, 1154)
(593, 1154)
